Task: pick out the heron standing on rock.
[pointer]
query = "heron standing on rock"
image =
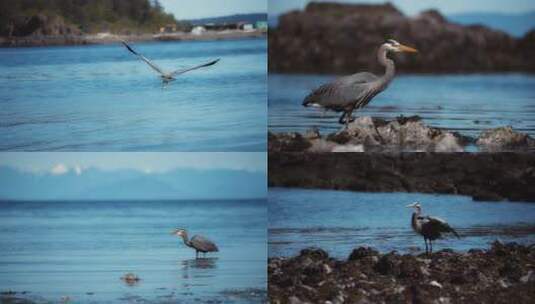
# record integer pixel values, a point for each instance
(354, 92)
(431, 228)
(197, 242)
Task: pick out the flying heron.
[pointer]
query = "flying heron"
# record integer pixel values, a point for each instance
(354, 92)
(197, 242)
(167, 77)
(431, 228)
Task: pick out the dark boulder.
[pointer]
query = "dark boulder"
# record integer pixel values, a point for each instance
(343, 38)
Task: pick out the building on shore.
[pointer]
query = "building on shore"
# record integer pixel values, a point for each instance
(169, 28)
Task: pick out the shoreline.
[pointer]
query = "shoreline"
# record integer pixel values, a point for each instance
(95, 39)
(501, 274)
(482, 176)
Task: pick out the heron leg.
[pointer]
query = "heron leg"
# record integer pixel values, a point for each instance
(349, 119)
(346, 118)
(426, 249)
(341, 120)
(381, 139)
(431, 245)
(196, 254)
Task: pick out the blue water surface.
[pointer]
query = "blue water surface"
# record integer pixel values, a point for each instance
(80, 250)
(339, 221)
(467, 104)
(103, 98)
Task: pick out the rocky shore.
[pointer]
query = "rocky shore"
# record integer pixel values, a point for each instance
(483, 176)
(105, 38)
(338, 38)
(505, 273)
(402, 134)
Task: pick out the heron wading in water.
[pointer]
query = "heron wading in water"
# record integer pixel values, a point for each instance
(167, 76)
(197, 242)
(349, 93)
(431, 228)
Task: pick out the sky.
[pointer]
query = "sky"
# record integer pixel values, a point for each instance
(62, 162)
(413, 7)
(195, 9)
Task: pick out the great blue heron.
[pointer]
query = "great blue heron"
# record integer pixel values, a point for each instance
(167, 77)
(197, 242)
(353, 92)
(431, 228)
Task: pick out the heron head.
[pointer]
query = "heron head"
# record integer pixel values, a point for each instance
(179, 232)
(394, 46)
(414, 205)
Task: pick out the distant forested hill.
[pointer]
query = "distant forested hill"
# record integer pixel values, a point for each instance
(249, 18)
(56, 17)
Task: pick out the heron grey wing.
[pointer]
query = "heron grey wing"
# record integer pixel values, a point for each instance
(182, 71)
(440, 225)
(150, 63)
(342, 92)
(203, 244)
(363, 77)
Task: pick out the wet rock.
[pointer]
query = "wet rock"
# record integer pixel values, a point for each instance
(289, 142)
(529, 277)
(313, 133)
(367, 133)
(504, 138)
(511, 269)
(314, 253)
(484, 176)
(386, 265)
(480, 276)
(362, 252)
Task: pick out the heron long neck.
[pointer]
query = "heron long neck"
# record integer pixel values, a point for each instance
(414, 220)
(390, 68)
(186, 240)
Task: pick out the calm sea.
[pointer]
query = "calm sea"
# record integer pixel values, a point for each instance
(339, 221)
(103, 98)
(81, 250)
(464, 103)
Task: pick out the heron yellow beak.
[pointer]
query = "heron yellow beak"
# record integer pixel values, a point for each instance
(410, 205)
(408, 49)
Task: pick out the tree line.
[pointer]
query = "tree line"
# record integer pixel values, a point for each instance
(91, 16)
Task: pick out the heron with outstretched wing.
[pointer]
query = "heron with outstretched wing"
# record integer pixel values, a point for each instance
(430, 227)
(167, 77)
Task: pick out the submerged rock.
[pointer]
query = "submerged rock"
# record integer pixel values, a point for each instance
(502, 274)
(130, 279)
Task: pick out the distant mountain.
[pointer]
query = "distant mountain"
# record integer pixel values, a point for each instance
(248, 18)
(95, 184)
(516, 25)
